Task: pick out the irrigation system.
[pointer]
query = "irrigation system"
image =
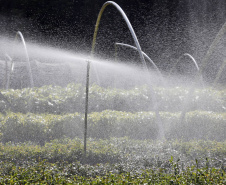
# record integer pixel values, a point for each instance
(219, 35)
(142, 56)
(179, 59)
(161, 130)
(27, 60)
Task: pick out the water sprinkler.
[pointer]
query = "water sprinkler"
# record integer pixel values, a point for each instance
(128, 25)
(27, 58)
(141, 57)
(191, 57)
(198, 74)
(145, 55)
(219, 35)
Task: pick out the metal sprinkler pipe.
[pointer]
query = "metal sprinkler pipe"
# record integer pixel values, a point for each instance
(140, 54)
(86, 105)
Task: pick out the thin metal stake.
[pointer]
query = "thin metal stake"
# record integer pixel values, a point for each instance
(86, 105)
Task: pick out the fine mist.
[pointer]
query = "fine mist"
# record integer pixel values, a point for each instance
(50, 65)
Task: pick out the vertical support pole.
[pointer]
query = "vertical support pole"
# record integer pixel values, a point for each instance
(6, 74)
(86, 105)
(116, 52)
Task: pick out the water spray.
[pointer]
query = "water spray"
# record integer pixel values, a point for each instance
(219, 35)
(7, 79)
(219, 73)
(191, 57)
(128, 25)
(145, 55)
(2, 97)
(27, 59)
(199, 75)
(158, 120)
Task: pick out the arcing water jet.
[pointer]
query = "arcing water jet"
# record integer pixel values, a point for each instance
(145, 55)
(191, 57)
(27, 60)
(158, 120)
(203, 65)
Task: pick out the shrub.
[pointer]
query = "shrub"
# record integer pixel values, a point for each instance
(18, 127)
(58, 100)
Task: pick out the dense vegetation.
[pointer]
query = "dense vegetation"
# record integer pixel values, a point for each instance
(59, 100)
(41, 131)
(46, 113)
(114, 161)
(40, 128)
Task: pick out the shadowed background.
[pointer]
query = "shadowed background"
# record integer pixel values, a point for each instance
(166, 29)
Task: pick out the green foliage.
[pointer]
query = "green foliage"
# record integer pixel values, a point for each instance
(199, 125)
(58, 100)
(63, 150)
(19, 127)
(113, 161)
(46, 173)
(39, 128)
(52, 116)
